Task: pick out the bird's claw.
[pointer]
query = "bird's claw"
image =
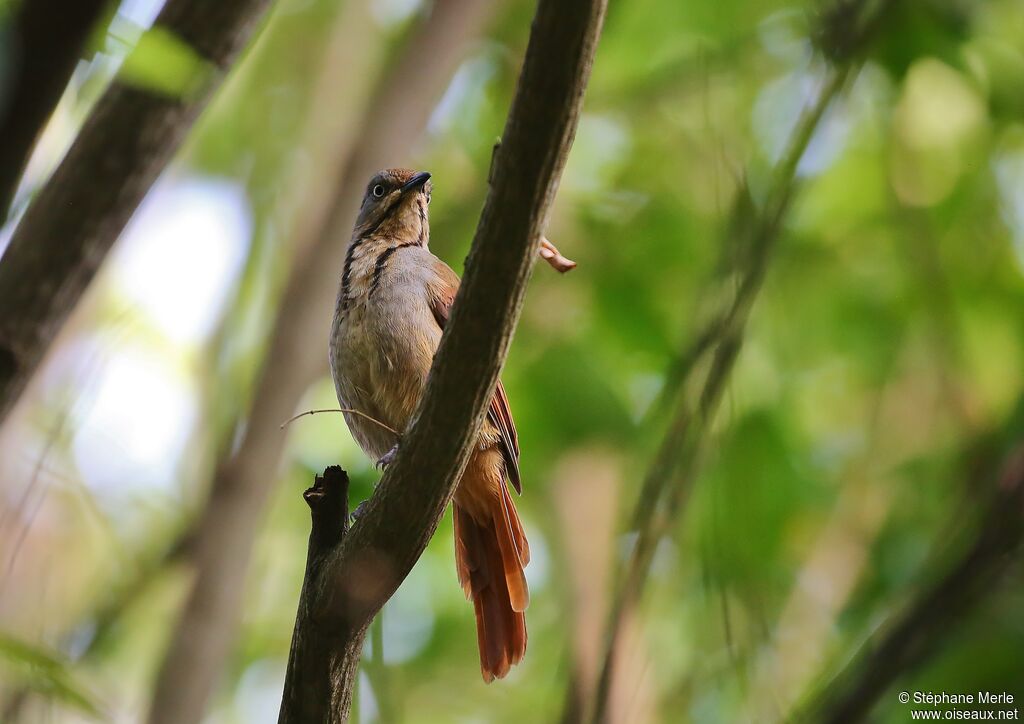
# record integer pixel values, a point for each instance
(387, 458)
(358, 512)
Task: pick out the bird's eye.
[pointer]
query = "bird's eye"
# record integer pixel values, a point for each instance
(378, 191)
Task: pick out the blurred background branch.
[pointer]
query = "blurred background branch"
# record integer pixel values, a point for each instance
(666, 485)
(45, 39)
(668, 481)
(932, 616)
(129, 137)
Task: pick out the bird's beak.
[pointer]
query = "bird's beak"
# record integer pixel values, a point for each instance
(416, 182)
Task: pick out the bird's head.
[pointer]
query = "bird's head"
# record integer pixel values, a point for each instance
(395, 204)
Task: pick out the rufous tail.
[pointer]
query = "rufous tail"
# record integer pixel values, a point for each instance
(490, 556)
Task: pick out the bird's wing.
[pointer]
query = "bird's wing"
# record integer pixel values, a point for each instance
(443, 286)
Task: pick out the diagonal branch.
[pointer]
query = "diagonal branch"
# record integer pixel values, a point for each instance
(45, 40)
(727, 337)
(128, 138)
(916, 632)
(391, 123)
(366, 568)
(670, 476)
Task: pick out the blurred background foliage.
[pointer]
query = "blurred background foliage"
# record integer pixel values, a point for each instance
(884, 355)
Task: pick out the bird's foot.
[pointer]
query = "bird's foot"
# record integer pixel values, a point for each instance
(358, 512)
(388, 457)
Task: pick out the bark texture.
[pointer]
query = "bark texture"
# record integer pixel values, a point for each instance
(359, 574)
(297, 357)
(125, 143)
(323, 662)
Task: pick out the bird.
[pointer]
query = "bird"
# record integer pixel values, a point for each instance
(393, 302)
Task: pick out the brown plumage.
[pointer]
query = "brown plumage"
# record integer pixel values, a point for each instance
(392, 306)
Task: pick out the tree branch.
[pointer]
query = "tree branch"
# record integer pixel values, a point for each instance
(392, 122)
(321, 656)
(45, 40)
(915, 633)
(126, 141)
(367, 567)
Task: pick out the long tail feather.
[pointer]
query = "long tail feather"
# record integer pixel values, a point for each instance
(506, 524)
(487, 557)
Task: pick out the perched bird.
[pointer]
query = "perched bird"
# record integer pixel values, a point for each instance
(393, 303)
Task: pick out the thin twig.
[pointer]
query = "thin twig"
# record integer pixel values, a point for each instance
(349, 410)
